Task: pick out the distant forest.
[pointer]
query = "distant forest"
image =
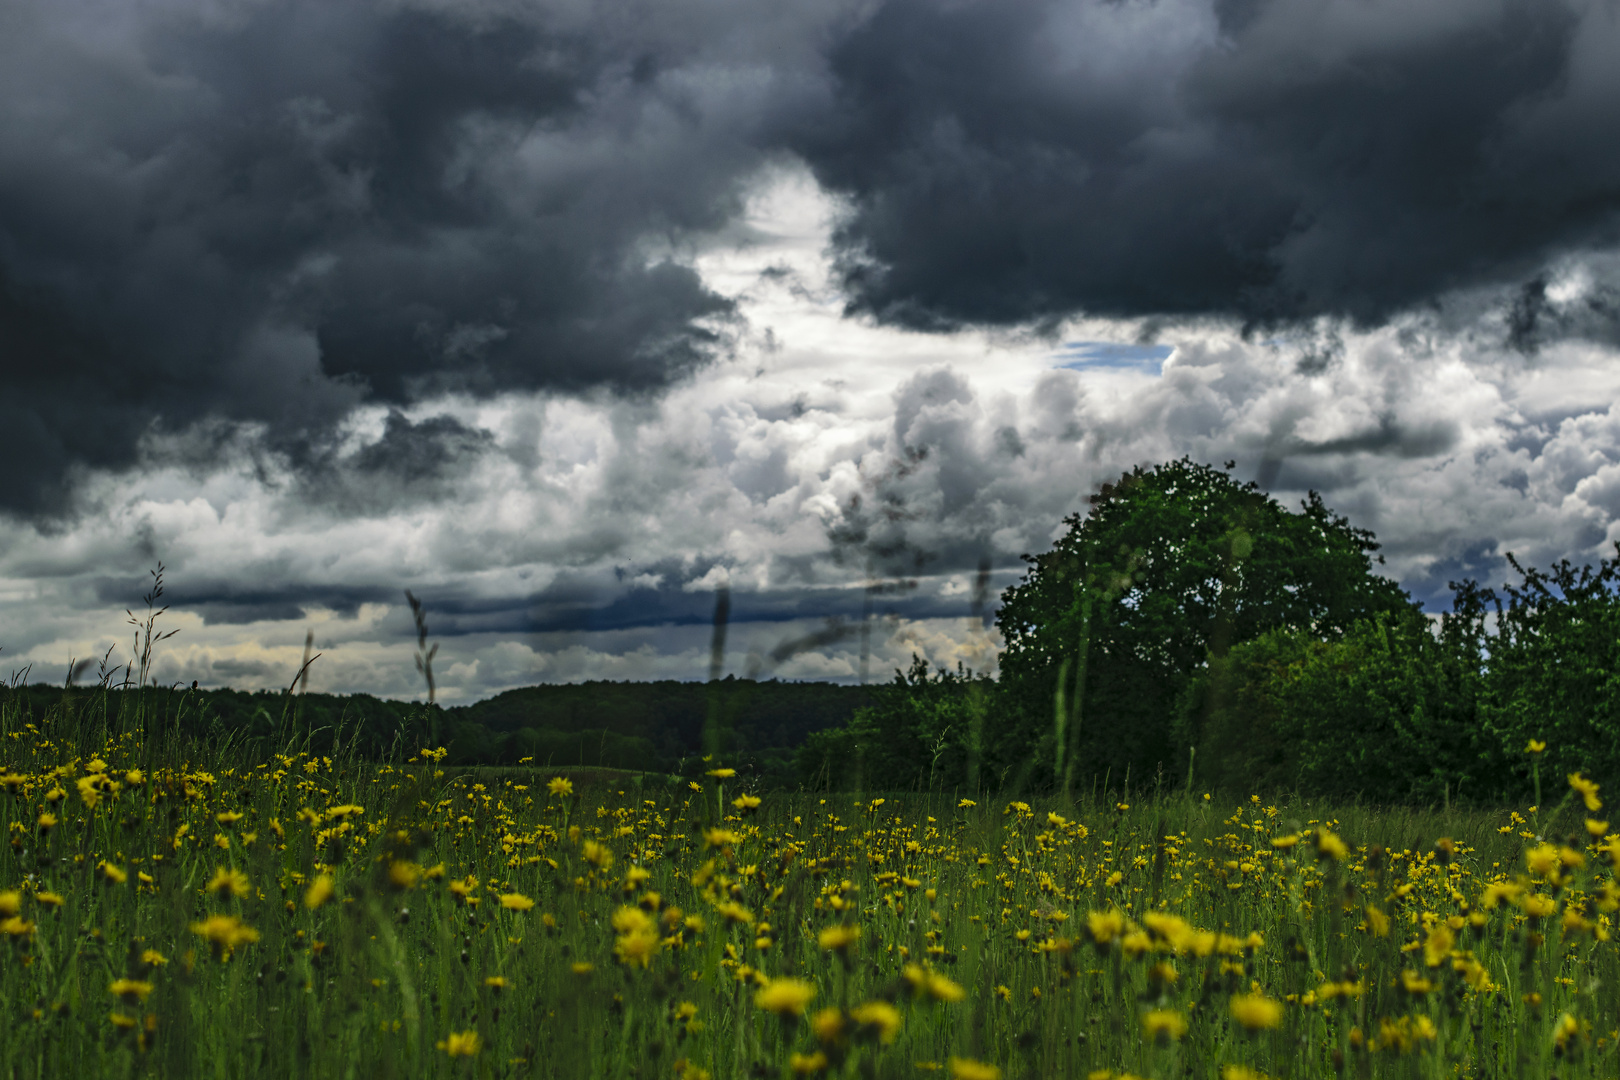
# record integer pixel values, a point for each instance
(661, 727)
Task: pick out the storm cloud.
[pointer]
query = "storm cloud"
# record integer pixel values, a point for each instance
(267, 214)
(1267, 159)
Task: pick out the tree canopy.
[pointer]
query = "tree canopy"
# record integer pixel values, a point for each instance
(1172, 565)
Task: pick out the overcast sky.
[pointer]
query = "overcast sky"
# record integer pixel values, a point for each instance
(565, 314)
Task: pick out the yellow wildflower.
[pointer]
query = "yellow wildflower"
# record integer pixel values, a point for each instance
(1256, 1011)
(460, 1044)
(319, 892)
(785, 997)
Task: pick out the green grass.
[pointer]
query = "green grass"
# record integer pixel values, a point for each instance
(975, 925)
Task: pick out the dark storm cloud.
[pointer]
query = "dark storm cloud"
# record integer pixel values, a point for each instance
(1017, 159)
(268, 213)
(271, 212)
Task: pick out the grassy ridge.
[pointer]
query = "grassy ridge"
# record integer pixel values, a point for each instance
(181, 909)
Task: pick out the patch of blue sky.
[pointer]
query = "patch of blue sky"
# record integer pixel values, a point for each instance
(1110, 355)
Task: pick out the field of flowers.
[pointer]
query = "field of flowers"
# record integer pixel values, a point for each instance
(184, 912)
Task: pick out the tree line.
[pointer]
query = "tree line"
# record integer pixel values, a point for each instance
(1190, 629)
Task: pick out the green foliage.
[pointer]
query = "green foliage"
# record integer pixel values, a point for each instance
(1394, 711)
(1383, 712)
(1173, 565)
(1552, 667)
(920, 733)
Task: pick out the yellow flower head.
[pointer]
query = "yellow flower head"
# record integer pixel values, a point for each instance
(10, 903)
(1534, 747)
(516, 902)
(1329, 846)
(403, 874)
(232, 881)
(113, 875)
(1164, 1025)
(968, 1069)
(807, 1064)
(1256, 1012)
(131, 989)
(932, 985)
(877, 1019)
(1588, 790)
(785, 997)
(319, 892)
(722, 774)
(460, 1044)
(1105, 926)
(560, 786)
(828, 1026)
(839, 938)
(225, 932)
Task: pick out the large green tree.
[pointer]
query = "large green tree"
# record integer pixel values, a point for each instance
(1172, 565)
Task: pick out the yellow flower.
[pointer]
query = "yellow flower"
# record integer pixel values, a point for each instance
(1329, 846)
(47, 822)
(112, 874)
(1256, 1011)
(1534, 747)
(839, 938)
(1164, 1024)
(1596, 829)
(878, 1019)
(1284, 842)
(931, 984)
(828, 1026)
(516, 902)
(746, 803)
(968, 1069)
(1538, 906)
(734, 912)
(319, 892)
(403, 874)
(785, 997)
(232, 881)
(225, 932)
(131, 989)
(10, 902)
(560, 786)
(1242, 1072)
(598, 855)
(1104, 926)
(1415, 984)
(460, 1044)
(1542, 860)
(807, 1064)
(228, 817)
(16, 926)
(1588, 790)
(966, 804)
(722, 774)
(1377, 922)
(153, 958)
(582, 967)
(52, 899)
(497, 983)
(1437, 947)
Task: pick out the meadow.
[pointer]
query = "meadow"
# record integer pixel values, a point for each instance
(179, 908)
